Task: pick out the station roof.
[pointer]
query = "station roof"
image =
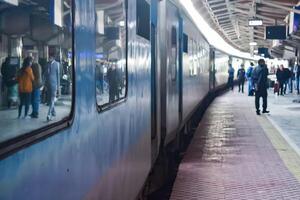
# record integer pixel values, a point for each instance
(230, 19)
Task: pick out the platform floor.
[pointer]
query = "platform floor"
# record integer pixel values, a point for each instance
(12, 127)
(236, 154)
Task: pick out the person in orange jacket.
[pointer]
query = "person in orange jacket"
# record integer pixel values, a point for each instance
(25, 79)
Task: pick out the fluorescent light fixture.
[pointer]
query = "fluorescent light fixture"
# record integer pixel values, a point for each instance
(210, 34)
(255, 22)
(122, 23)
(253, 43)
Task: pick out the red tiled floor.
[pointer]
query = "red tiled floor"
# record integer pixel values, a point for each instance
(231, 158)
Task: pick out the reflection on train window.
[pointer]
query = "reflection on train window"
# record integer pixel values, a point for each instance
(110, 52)
(185, 43)
(173, 60)
(36, 65)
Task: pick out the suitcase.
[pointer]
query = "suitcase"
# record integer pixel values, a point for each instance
(276, 87)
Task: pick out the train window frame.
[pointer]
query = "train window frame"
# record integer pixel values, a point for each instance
(114, 103)
(13, 145)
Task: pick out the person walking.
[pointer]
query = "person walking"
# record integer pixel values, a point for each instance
(25, 78)
(230, 77)
(249, 78)
(37, 84)
(52, 77)
(241, 78)
(260, 79)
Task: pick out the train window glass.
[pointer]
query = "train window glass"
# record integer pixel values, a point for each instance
(173, 60)
(36, 70)
(111, 45)
(143, 19)
(191, 60)
(194, 58)
(185, 43)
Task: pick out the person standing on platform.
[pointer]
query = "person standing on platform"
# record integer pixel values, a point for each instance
(37, 84)
(9, 73)
(280, 79)
(25, 78)
(249, 78)
(53, 82)
(260, 79)
(230, 76)
(286, 75)
(297, 76)
(241, 78)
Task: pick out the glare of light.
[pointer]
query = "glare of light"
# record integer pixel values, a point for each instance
(210, 34)
(255, 51)
(253, 43)
(255, 22)
(122, 23)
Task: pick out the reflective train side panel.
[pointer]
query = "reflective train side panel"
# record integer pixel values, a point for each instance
(195, 75)
(103, 155)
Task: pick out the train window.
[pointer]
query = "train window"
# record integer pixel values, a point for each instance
(36, 71)
(191, 60)
(185, 43)
(111, 45)
(143, 19)
(173, 53)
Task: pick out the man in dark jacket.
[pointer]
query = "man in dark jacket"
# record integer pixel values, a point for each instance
(260, 79)
(287, 76)
(280, 78)
(241, 78)
(37, 84)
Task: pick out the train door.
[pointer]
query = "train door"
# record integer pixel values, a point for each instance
(155, 126)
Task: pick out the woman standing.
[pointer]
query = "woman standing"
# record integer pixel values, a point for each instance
(25, 79)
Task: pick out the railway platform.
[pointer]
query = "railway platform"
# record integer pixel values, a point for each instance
(12, 127)
(236, 154)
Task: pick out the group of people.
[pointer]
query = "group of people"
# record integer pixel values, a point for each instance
(112, 80)
(29, 81)
(257, 82)
(285, 78)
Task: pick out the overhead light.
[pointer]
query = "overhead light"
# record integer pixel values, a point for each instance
(122, 23)
(255, 22)
(210, 34)
(253, 43)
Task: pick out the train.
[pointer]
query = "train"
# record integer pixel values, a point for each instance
(121, 123)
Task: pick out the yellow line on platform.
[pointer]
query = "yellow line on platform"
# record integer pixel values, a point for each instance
(288, 155)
